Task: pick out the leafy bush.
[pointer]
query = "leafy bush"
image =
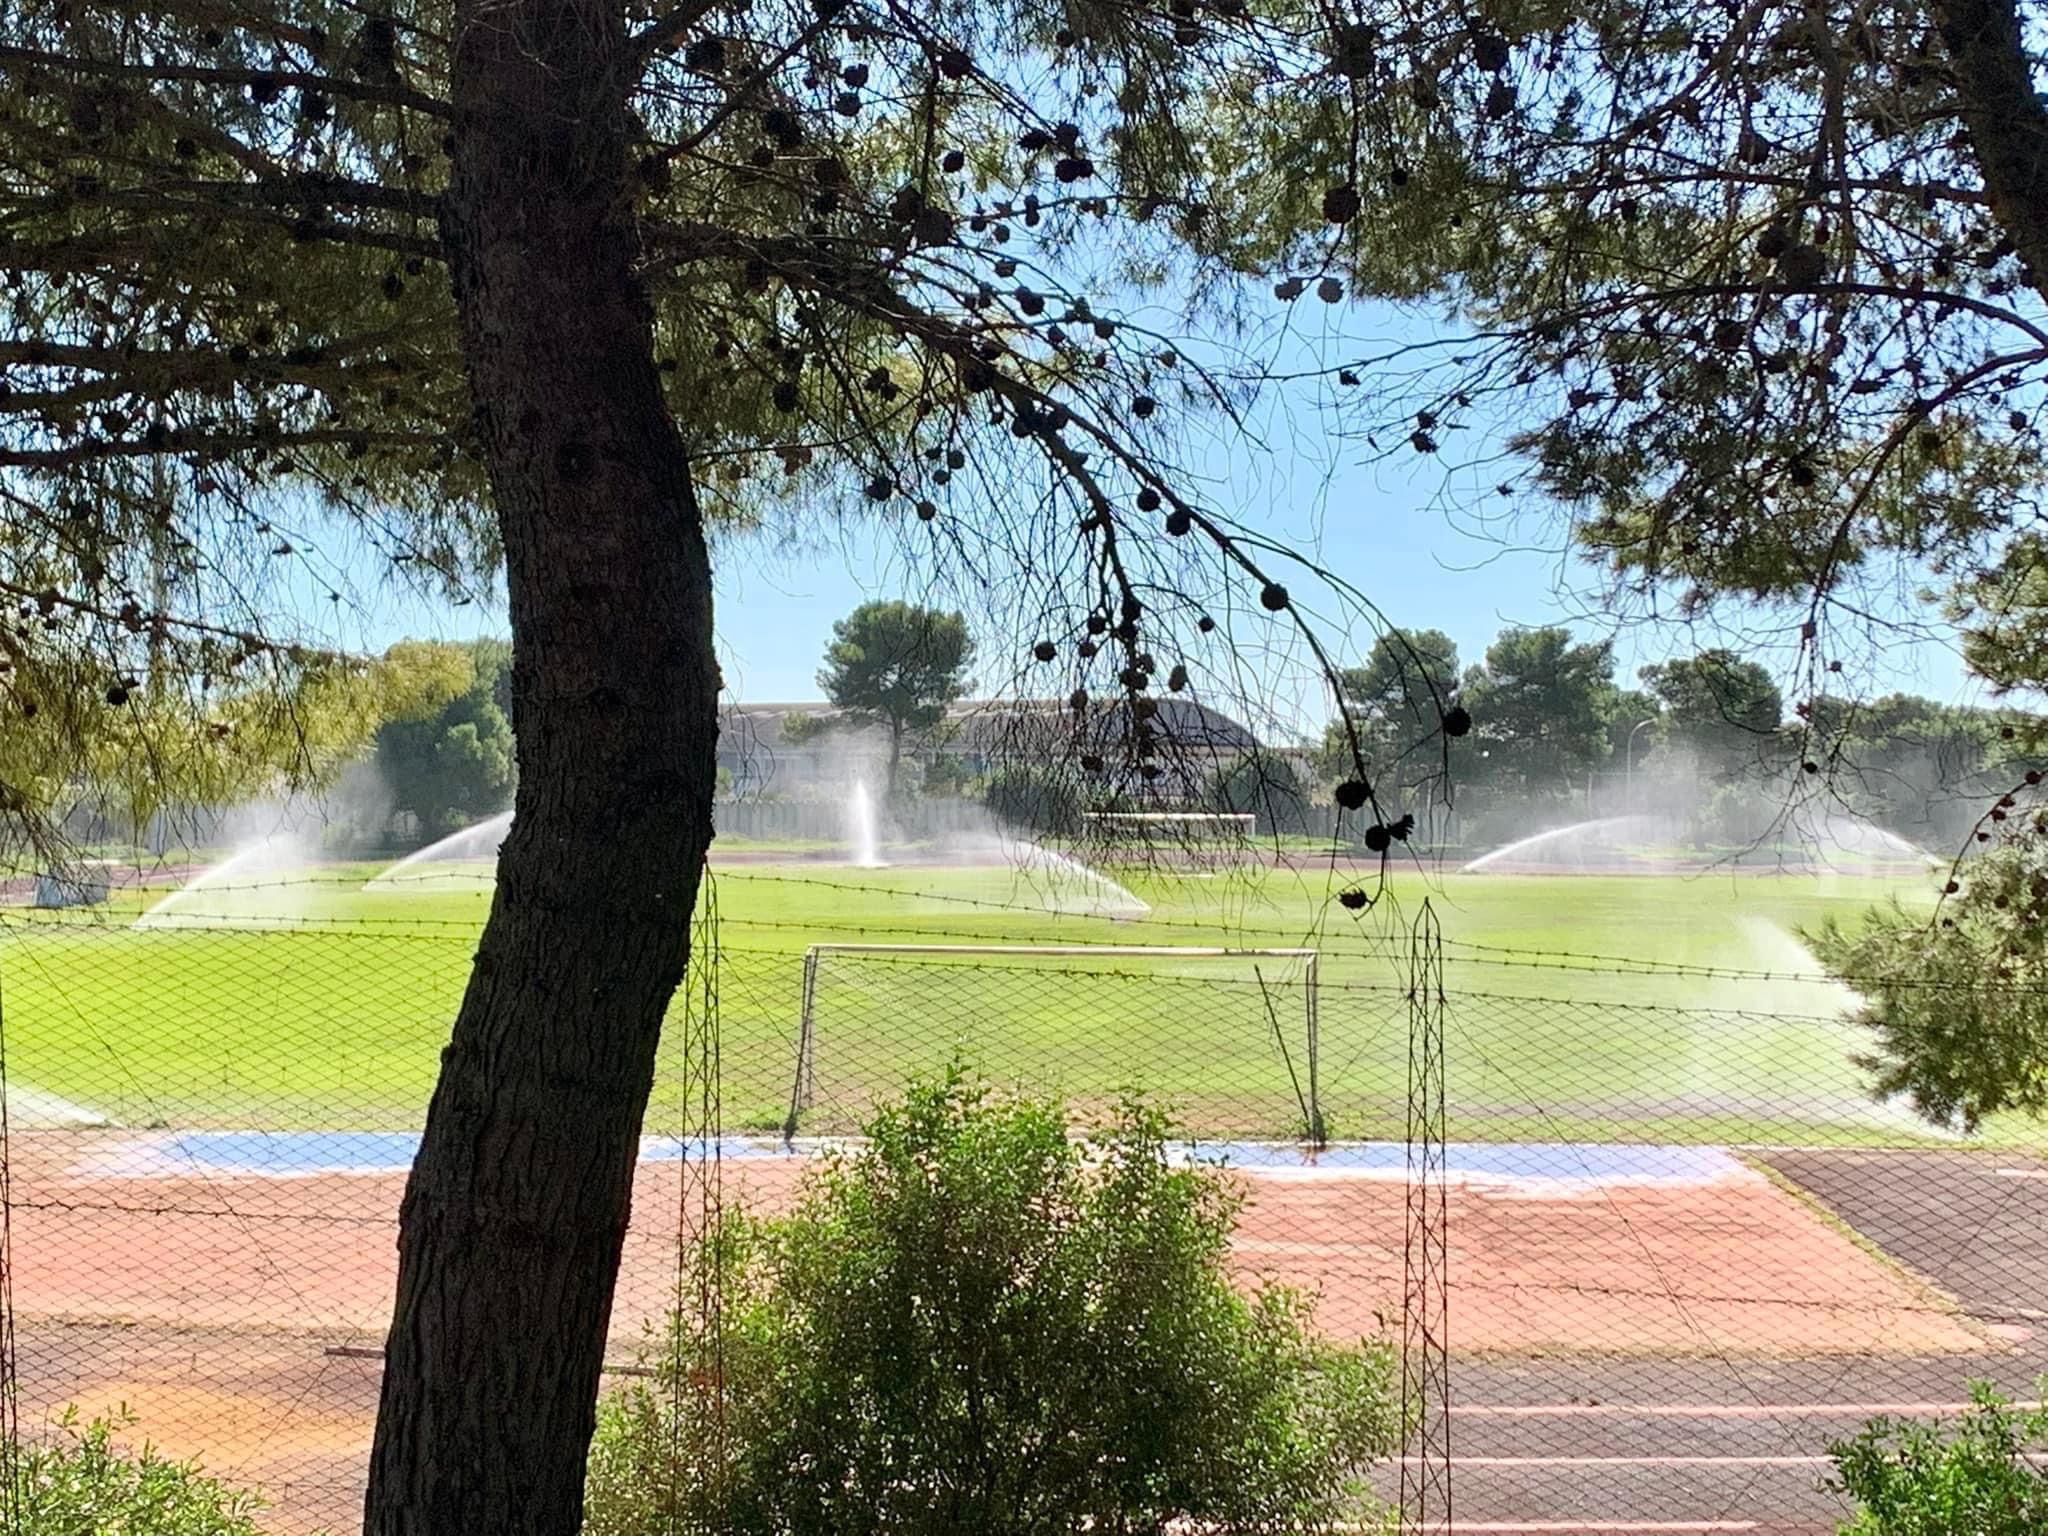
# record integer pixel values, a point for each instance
(973, 1324)
(1957, 1004)
(83, 1485)
(1917, 1480)
(1268, 787)
(949, 776)
(1035, 800)
(1733, 816)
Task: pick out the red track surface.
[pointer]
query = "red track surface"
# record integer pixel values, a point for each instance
(211, 1306)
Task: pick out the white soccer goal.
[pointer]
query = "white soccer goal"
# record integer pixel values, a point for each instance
(1142, 826)
(1229, 1037)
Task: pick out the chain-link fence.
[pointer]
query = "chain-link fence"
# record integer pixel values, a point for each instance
(1088, 1023)
(1683, 1248)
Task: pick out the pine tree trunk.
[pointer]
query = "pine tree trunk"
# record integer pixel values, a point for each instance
(2005, 118)
(516, 1211)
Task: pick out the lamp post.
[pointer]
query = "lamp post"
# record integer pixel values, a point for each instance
(1628, 764)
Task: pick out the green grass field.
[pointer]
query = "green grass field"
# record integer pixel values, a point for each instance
(328, 1007)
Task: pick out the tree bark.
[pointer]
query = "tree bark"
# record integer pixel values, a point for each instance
(2007, 123)
(515, 1214)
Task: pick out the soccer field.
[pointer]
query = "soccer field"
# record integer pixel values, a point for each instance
(308, 1002)
(1666, 1185)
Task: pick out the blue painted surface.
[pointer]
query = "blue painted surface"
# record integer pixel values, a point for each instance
(286, 1154)
(1579, 1162)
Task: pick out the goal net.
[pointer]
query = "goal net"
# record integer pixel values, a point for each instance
(1226, 1040)
(1145, 827)
(1170, 839)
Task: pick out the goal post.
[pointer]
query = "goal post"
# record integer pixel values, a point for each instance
(1231, 1035)
(1143, 827)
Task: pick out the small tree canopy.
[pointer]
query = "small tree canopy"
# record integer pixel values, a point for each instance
(454, 765)
(898, 665)
(1957, 1004)
(974, 1323)
(1982, 1474)
(1724, 709)
(1541, 705)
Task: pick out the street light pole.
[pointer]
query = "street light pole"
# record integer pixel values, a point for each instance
(1628, 764)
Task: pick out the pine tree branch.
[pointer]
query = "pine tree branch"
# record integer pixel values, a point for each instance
(2007, 122)
(667, 30)
(280, 205)
(214, 446)
(195, 74)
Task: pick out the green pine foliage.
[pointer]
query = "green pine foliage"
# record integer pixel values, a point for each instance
(973, 1322)
(1957, 1004)
(897, 665)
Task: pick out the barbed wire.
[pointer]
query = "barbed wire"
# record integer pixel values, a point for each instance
(1465, 952)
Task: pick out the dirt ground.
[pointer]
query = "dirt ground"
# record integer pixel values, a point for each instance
(238, 1317)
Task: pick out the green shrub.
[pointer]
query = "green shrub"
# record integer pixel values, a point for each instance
(1924, 1480)
(971, 1323)
(1035, 800)
(81, 1484)
(1266, 786)
(1733, 816)
(1957, 1009)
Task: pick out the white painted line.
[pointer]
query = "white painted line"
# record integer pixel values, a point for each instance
(2020, 1173)
(31, 1109)
(1654, 1461)
(1574, 1527)
(1718, 1410)
(1636, 1461)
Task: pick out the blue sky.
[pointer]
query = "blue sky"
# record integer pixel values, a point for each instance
(776, 609)
(1421, 539)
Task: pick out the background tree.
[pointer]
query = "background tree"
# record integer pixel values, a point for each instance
(1541, 706)
(168, 751)
(1264, 785)
(1637, 731)
(949, 776)
(1404, 669)
(1395, 698)
(1919, 767)
(454, 766)
(1721, 709)
(547, 287)
(899, 666)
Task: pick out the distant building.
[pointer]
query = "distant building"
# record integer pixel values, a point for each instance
(810, 749)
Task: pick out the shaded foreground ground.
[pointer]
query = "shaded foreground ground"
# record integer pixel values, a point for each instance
(1653, 1350)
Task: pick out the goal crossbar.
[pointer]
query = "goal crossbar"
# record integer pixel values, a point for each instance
(1194, 821)
(801, 1092)
(1162, 951)
(1163, 816)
